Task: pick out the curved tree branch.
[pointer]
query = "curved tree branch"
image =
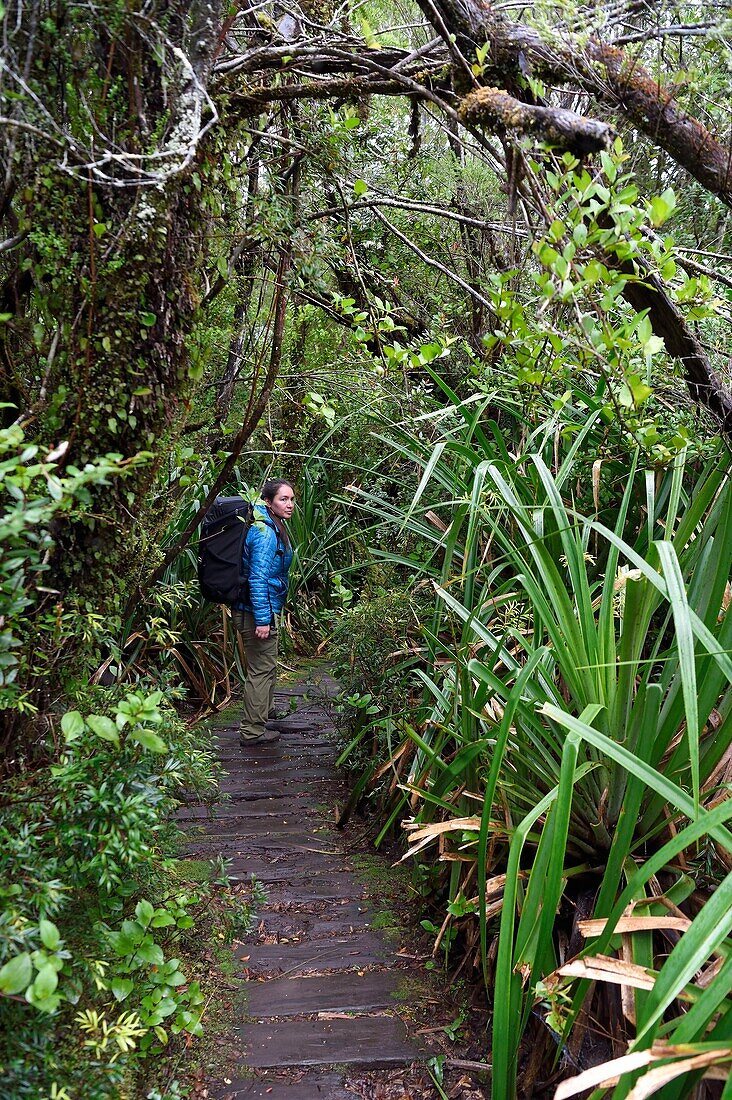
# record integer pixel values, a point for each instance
(498, 111)
(605, 71)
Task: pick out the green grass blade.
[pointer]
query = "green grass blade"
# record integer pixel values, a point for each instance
(512, 702)
(506, 1009)
(707, 932)
(701, 632)
(653, 778)
(687, 666)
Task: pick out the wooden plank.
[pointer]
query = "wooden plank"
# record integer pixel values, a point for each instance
(299, 922)
(330, 993)
(278, 874)
(231, 845)
(375, 1041)
(291, 806)
(312, 1086)
(273, 829)
(355, 952)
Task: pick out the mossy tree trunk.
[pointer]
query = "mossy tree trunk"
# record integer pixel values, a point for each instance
(106, 218)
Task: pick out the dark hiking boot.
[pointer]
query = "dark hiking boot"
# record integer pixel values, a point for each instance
(264, 738)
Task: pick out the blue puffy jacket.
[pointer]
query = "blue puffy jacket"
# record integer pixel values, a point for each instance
(267, 562)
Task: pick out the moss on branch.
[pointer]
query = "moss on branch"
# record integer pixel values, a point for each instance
(494, 109)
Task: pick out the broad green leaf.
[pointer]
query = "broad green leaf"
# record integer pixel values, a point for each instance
(45, 982)
(16, 975)
(72, 725)
(662, 206)
(103, 727)
(152, 953)
(162, 919)
(122, 987)
(50, 936)
(149, 740)
(144, 912)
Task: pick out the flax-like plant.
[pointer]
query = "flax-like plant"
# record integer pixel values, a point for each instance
(575, 740)
(319, 532)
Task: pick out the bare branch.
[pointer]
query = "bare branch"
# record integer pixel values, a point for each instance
(680, 31)
(13, 242)
(423, 208)
(431, 262)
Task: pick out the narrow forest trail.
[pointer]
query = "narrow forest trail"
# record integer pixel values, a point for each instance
(323, 987)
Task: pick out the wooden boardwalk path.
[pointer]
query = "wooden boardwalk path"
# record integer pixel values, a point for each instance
(321, 1015)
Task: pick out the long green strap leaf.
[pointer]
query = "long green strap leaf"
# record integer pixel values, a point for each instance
(685, 642)
(655, 779)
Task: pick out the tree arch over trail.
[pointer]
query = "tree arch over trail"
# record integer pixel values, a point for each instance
(115, 129)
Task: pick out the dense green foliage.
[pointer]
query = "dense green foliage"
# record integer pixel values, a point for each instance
(487, 336)
(615, 635)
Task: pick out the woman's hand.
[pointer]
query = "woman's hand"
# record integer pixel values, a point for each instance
(261, 632)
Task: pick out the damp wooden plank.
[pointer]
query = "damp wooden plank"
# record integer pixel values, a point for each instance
(285, 816)
(327, 880)
(322, 741)
(298, 922)
(376, 1041)
(330, 993)
(337, 889)
(275, 828)
(295, 761)
(257, 789)
(279, 780)
(230, 846)
(354, 952)
(291, 771)
(291, 807)
(310, 1086)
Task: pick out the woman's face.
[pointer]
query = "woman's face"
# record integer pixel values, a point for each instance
(282, 504)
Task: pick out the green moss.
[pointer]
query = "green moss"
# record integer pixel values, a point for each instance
(384, 918)
(411, 990)
(379, 876)
(193, 870)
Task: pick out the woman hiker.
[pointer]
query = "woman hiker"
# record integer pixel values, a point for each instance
(267, 556)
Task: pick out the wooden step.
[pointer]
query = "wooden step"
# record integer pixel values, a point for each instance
(330, 993)
(374, 1041)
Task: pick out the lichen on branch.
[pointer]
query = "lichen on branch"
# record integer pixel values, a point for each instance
(496, 110)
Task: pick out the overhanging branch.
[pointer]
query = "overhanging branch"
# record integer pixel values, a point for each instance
(605, 71)
(498, 111)
(705, 385)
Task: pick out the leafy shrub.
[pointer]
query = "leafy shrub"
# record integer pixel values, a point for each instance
(96, 918)
(570, 748)
(377, 640)
(32, 493)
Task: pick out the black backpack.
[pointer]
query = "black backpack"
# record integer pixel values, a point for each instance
(223, 530)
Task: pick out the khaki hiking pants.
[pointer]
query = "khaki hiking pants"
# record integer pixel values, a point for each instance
(261, 673)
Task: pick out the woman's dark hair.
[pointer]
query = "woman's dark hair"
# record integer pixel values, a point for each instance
(270, 490)
(271, 487)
